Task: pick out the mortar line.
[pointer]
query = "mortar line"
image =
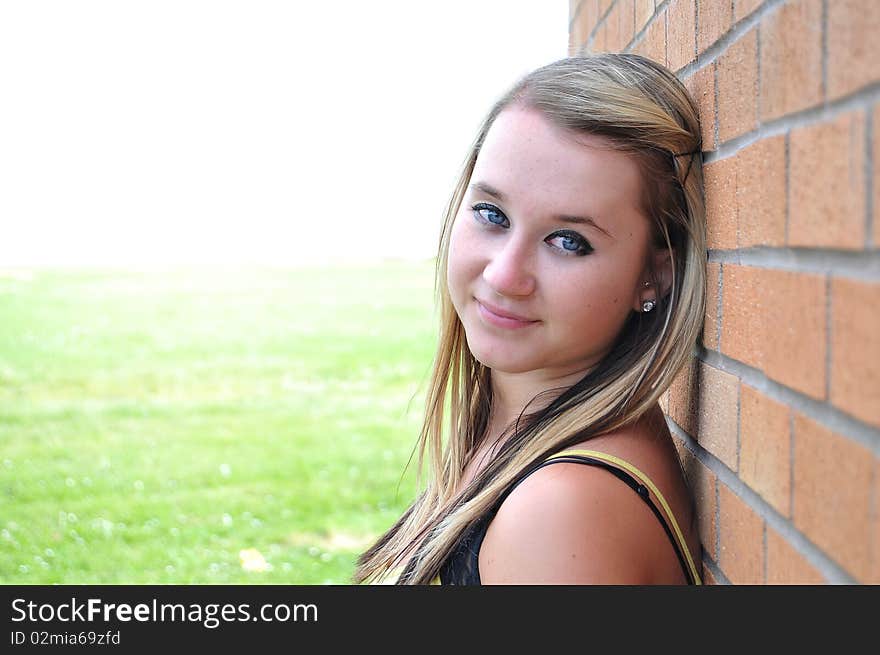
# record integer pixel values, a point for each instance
(823, 413)
(857, 265)
(832, 571)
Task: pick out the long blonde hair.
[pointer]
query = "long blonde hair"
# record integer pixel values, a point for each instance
(645, 111)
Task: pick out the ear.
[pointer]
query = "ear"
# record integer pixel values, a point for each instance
(658, 276)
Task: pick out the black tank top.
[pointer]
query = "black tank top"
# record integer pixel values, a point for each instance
(462, 566)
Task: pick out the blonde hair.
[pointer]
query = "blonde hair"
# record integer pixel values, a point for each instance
(644, 110)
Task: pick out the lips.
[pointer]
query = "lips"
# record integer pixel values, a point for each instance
(502, 318)
(504, 314)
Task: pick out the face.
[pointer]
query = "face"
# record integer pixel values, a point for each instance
(548, 251)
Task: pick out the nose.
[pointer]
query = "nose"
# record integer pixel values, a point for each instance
(509, 271)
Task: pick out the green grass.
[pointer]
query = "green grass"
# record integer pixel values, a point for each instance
(155, 424)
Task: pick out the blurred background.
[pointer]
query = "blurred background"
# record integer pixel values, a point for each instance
(262, 132)
(216, 311)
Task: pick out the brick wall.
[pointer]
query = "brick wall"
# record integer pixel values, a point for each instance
(778, 416)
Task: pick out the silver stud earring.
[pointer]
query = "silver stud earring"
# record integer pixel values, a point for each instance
(648, 305)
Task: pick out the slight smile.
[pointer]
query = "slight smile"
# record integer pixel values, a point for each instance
(499, 318)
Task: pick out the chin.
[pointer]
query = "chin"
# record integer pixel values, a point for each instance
(504, 362)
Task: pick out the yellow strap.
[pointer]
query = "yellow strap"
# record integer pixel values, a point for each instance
(647, 482)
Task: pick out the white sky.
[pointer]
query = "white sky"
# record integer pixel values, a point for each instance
(191, 132)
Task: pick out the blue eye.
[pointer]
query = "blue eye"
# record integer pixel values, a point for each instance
(490, 214)
(571, 242)
(566, 241)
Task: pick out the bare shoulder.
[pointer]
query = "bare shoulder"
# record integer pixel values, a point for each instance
(568, 523)
(648, 446)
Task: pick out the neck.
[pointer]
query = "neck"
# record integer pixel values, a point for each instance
(514, 392)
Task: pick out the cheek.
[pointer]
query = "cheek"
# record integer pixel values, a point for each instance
(597, 303)
(462, 262)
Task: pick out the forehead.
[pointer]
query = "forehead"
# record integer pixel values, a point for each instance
(533, 161)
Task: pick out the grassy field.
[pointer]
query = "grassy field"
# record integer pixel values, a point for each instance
(207, 427)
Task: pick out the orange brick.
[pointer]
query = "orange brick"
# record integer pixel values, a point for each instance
(787, 566)
(775, 321)
(584, 22)
(743, 309)
(875, 556)
(720, 189)
(876, 144)
(681, 399)
(761, 194)
(627, 20)
(741, 533)
(600, 39)
(746, 196)
(795, 330)
(855, 349)
(742, 8)
(791, 59)
(827, 184)
(702, 483)
(832, 494)
(765, 451)
(613, 39)
(717, 398)
(710, 325)
(853, 45)
(701, 86)
(737, 88)
(714, 18)
(653, 45)
(680, 28)
(644, 11)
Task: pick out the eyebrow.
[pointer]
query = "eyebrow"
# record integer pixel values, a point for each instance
(489, 190)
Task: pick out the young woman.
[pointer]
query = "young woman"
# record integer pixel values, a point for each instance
(571, 280)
